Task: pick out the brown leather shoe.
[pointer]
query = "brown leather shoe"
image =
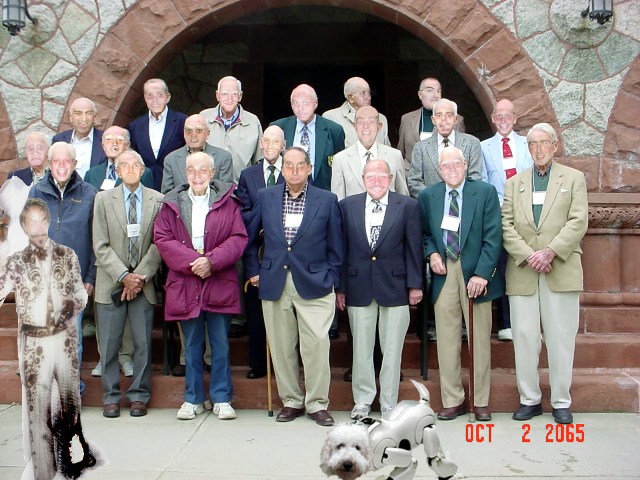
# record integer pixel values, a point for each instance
(289, 414)
(482, 414)
(452, 412)
(322, 418)
(138, 409)
(111, 410)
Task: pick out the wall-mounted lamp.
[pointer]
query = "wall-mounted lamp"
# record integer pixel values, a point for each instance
(599, 10)
(14, 13)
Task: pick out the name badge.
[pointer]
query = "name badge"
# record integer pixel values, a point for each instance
(425, 135)
(108, 184)
(293, 220)
(538, 198)
(450, 223)
(377, 219)
(133, 230)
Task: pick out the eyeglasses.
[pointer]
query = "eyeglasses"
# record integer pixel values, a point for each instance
(447, 115)
(198, 130)
(430, 90)
(542, 143)
(226, 95)
(507, 116)
(126, 166)
(303, 103)
(370, 122)
(364, 93)
(36, 148)
(113, 138)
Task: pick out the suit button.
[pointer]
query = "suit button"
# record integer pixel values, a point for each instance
(374, 258)
(286, 267)
(288, 249)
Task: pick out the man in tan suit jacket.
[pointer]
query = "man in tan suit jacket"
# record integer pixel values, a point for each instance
(544, 218)
(346, 178)
(126, 261)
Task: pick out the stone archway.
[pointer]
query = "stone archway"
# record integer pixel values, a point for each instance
(480, 48)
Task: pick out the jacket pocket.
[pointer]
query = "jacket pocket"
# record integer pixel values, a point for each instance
(176, 297)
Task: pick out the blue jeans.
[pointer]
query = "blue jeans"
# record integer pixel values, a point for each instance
(79, 318)
(220, 386)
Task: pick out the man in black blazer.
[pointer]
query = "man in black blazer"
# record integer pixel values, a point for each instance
(85, 138)
(463, 229)
(303, 253)
(159, 132)
(266, 173)
(381, 277)
(36, 146)
(322, 138)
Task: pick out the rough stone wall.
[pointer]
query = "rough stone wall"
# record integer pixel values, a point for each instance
(581, 64)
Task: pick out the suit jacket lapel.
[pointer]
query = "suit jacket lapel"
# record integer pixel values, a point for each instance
(360, 224)
(322, 138)
(432, 149)
(555, 181)
(169, 128)
(147, 213)
(390, 217)
(437, 211)
(527, 196)
(496, 156)
(117, 204)
(469, 200)
(310, 210)
(355, 165)
(144, 136)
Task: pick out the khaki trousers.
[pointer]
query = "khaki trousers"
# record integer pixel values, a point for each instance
(452, 304)
(290, 321)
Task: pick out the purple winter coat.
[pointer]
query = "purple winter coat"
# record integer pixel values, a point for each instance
(224, 241)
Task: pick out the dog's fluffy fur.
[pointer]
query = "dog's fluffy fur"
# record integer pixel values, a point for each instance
(346, 452)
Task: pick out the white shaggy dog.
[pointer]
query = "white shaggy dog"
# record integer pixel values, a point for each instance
(346, 452)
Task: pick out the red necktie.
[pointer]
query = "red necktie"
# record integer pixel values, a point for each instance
(507, 153)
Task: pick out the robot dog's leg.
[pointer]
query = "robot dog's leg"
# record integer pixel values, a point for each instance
(405, 464)
(437, 457)
(404, 473)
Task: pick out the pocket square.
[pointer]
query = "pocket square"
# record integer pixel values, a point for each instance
(563, 190)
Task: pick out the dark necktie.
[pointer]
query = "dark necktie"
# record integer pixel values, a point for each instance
(112, 172)
(375, 230)
(453, 238)
(368, 156)
(271, 180)
(133, 241)
(304, 138)
(507, 153)
(445, 140)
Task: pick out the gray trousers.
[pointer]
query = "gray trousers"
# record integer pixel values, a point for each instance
(112, 320)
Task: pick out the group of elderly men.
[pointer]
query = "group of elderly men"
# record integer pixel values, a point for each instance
(318, 226)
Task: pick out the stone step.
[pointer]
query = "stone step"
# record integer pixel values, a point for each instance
(593, 390)
(593, 350)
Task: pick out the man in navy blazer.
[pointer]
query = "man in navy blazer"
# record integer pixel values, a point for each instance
(267, 172)
(505, 155)
(159, 132)
(381, 277)
(321, 137)
(463, 229)
(303, 253)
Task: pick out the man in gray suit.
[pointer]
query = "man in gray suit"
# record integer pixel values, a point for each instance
(424, 160)
(196, 132)
(348, 164)
(126, 262)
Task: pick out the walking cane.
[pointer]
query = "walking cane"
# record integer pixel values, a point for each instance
(472, 415)
(269, 400)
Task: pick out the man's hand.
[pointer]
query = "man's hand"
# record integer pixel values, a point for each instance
(88, 288)
(541, 260)
(341, 301)
(133, 282)
(476, 287)
(201, 267)
(437, 265)
(415, 296)
(128, 294)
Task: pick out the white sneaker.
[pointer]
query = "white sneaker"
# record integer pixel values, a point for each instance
(224, 410)
(188, 411)
(386, 412)
(505, 335)
(360, 410)
(97, 370)
(127, 369)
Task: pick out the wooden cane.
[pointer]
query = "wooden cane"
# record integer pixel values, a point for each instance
(472, 415)
(269, 400)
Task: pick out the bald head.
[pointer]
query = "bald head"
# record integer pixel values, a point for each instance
(304, 102)
(357, 92)
(367, 125)
(115, 140)
(196, 132)
(272, 143)
(504, 117)
(82, 115)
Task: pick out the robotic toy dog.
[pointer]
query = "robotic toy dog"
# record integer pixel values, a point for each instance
(351, 450)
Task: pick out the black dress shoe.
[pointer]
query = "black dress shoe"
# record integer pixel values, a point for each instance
(256, 373)
(289, 414)
(482, 414)
(527, 412)
(138, 409)
(322, 418)
(450, 413)
(178, 371)
(111, 410)
(562, 415)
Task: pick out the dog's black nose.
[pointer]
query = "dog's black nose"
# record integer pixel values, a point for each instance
(347, 466)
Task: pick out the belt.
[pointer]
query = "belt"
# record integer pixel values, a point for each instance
(200, 251)
(37, 331)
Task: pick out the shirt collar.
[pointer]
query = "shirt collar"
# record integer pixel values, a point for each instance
(287, 192)
(311, 125)
(457, 189)
(137, 192)
(277, 164)
(88, 138)
(451, 138)
(363, 151)
(160, 118)
(383, 201)
(201, 198)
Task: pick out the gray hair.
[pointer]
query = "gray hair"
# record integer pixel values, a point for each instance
(445, 102)
(61, 145)
(229, 77)
(546, 128)
(459, 153)
(156, 80)
(134, 154)
(350, 86)
(193, 155)
(44, 138)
